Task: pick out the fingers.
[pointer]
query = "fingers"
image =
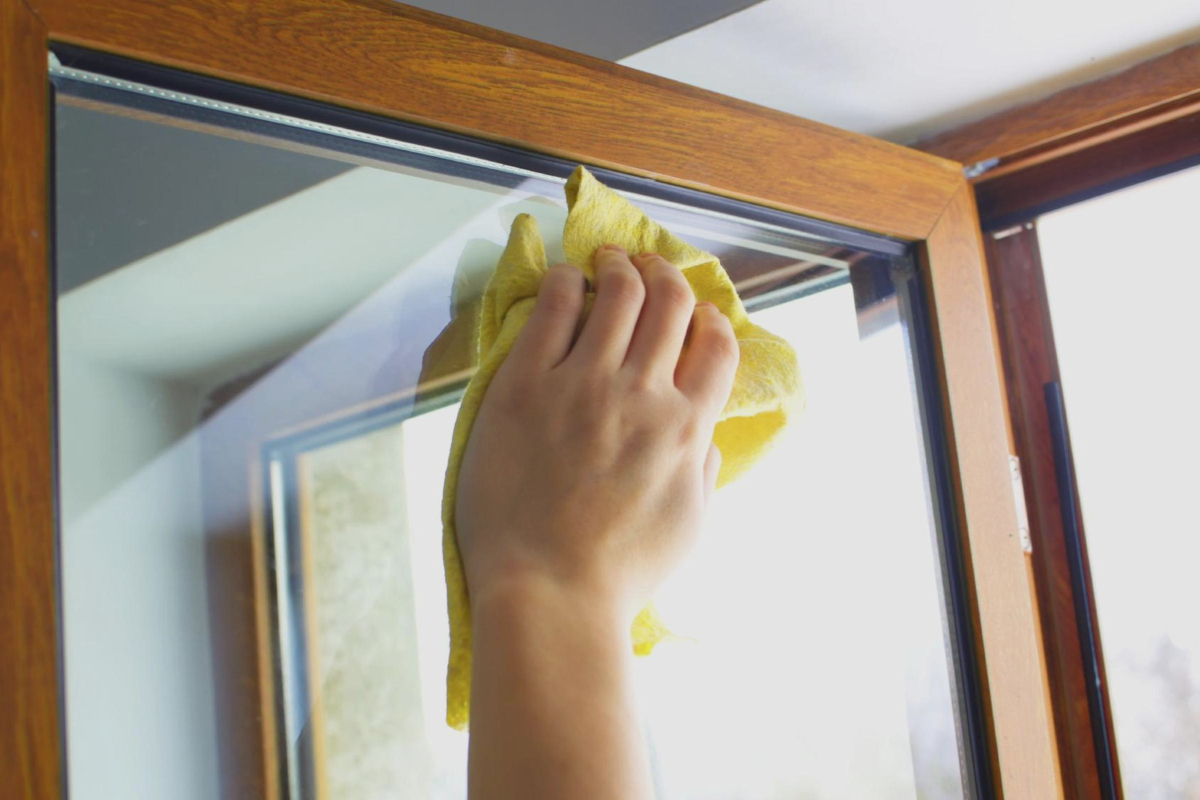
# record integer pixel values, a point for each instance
(546, 338)
(709, 362)
(712, 468)
(666, 314)
(619, 296)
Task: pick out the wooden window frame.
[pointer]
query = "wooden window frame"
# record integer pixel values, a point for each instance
(1080, 143)
(406, 64)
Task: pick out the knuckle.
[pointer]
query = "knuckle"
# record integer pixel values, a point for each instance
(720, 343)
(594, 389)
(624, 286)
(689, 428)
(589, 389)
(673, 290)
(560, 295)
(642, 387)
(509, 398)
(693, 431)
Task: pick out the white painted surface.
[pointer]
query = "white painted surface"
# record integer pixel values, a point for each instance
(251, 290)
(903, 71)
(113, 423)
(139, 691)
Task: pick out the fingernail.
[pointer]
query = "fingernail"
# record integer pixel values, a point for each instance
(647, 255)
(614, 247)
(704, 304)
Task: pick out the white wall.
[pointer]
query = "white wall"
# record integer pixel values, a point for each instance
(139, 688)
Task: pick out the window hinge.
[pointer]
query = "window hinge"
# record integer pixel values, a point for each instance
(1014, 471)
(1013, 231)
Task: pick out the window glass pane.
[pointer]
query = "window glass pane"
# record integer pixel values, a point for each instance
(1128, 362)
(262, 336)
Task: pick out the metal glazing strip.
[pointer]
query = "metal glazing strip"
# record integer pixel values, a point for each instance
(57, 70)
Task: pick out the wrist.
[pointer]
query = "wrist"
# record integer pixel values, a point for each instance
(552, 703)
(515, 595)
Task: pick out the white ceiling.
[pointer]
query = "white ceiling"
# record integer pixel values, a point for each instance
(904, 70)
(899, 70)
(609, 30)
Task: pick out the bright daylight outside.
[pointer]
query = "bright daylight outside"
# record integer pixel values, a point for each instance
(810, 654)
(1123, 277)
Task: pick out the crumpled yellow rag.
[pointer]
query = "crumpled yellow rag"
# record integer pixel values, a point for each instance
(765, 391)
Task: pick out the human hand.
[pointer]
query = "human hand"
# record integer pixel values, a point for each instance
(591, 460)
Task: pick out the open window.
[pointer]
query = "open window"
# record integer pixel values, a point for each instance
(1078, 194)
(255, 302)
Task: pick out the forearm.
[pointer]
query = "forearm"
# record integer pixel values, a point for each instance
(594, 447)
(552, 709)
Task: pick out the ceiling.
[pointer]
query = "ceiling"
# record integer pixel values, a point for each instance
(610, 30)
(903, 71)
(897, 70)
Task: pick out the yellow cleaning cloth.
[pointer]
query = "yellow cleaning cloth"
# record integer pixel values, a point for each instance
(765, 391)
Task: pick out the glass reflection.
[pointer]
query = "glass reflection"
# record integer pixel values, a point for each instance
(253, 436)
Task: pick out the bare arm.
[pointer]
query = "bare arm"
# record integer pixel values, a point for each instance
(552, 712)
(582, 487)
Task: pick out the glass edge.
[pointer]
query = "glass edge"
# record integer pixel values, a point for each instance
(967, 689)
(978, 774)
(72, 63)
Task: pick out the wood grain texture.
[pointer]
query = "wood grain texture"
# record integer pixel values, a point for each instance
(389, 59)
(1027, 343)
(1012, 196)
(1008, 624)
(264, 655)
(1153, 87)
(30, 733)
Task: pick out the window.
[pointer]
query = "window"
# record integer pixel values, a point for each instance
(1127, 360)
(261, 336)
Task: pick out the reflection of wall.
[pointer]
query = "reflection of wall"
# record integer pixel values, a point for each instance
(135, 626)
(158, 618)
(371, 726)
(112, 172)
(249, 291)
(113, 422)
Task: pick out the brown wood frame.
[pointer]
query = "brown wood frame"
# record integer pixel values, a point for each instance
(1082, 141)
(1027, 343)
(1079, 143)
(398, 62)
